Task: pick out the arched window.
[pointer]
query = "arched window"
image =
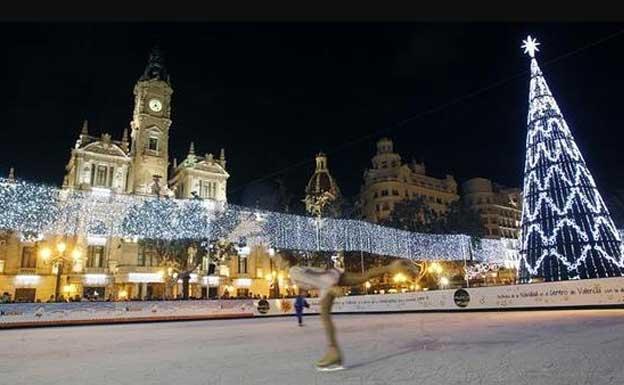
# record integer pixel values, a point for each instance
(152, 143)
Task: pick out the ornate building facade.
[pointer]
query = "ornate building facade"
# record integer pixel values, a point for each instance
(500, 209)
(390, 181)
(139, 164)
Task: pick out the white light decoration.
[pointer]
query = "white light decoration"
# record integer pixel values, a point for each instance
(93, 240)
(27, 280)
(45, 210)
(193, 278)
(145, 277)
(530, 46)
(242, 283)
(95, 279)
(102, 192)
(480, 270)
(211, 280)
(243, 251)
(567, 231)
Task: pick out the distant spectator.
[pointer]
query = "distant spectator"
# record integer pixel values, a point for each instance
(6, 297)
(300, 303)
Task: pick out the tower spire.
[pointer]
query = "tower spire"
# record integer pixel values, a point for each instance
(192, 149)
(321, 162)
(567, 231)
(11, 174)
(155, 68)
(85, 127)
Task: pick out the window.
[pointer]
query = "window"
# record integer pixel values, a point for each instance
(384, 193)
(101, 174)
(144, 257)
(153, 144)
(95, 256)
(386, 206)
(207, 189)
(395, 193)
(377, 207)
(242, 265)
(29, 257)
(375, 195)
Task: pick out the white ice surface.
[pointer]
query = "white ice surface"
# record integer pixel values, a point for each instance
(533, 348)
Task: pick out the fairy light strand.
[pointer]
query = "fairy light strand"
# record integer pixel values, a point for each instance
(33, 208)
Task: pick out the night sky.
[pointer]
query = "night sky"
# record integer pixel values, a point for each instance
(275, 94)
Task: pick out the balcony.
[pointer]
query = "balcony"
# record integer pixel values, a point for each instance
(138, 269)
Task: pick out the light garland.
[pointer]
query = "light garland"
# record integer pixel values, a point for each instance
(479, 270)
(567, 231)
(45, 210)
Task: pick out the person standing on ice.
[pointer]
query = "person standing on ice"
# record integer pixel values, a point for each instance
(300, 303)
(328, 281)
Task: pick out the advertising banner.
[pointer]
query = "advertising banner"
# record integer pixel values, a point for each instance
(578, 293)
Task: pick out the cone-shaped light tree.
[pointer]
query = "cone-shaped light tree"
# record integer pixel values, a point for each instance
(567, 232)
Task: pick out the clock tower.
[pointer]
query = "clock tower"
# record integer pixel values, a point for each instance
(150, 128)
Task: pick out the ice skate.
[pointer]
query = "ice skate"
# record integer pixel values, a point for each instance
(331, 361)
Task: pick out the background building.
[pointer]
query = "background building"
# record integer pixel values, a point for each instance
(500, 210)
(390, 181)
(499, 207)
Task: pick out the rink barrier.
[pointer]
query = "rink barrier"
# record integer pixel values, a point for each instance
(577, 294)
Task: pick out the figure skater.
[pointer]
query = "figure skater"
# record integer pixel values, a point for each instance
(327, 281)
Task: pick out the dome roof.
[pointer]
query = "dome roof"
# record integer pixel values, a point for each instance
(322, 181)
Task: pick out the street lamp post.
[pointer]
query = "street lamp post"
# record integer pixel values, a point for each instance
(316, 205)
(59, 259)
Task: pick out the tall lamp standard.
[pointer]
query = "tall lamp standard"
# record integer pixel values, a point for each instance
(315, 205)
(59, 258)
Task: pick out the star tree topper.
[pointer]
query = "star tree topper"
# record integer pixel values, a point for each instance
(530, 46)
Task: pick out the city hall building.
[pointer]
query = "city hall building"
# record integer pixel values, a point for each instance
(137, 163)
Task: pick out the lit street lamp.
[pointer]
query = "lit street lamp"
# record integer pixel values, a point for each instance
(59, 259)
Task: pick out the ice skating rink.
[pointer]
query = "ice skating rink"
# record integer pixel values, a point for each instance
(538, 347)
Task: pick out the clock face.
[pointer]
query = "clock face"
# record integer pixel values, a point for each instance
(155, 105)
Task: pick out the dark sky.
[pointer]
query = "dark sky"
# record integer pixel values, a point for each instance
(275, 94)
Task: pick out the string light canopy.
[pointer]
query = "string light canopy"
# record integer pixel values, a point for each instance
(567, 231)
(48, 211)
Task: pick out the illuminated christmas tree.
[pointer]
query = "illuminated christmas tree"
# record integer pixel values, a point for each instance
(567, 231)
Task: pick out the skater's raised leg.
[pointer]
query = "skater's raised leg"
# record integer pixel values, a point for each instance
(354, 279)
